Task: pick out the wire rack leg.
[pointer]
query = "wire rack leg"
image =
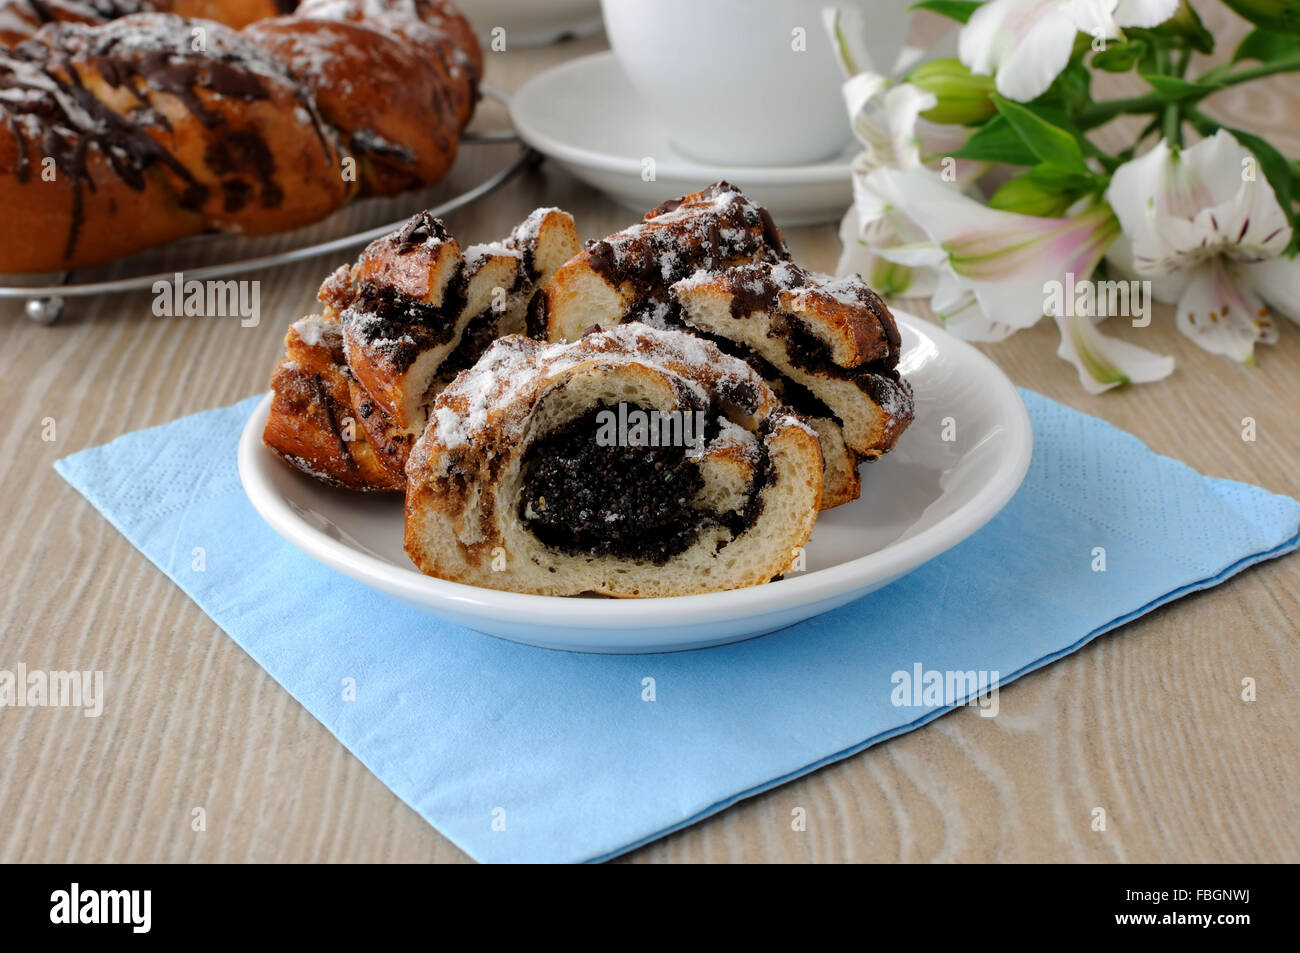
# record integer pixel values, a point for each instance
(46, 309)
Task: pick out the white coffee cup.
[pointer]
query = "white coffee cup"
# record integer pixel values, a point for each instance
(737, 82)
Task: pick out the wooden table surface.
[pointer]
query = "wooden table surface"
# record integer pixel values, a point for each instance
(1146, 722)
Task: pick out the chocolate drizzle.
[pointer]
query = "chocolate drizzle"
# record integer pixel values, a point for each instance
(396, 324)
(52, 114)
(327, 406)
(419, 229)
(710, 230)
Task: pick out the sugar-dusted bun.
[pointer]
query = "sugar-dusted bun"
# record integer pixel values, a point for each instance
(519, 481)
(407, 315)
(831, 336)
(828, 346)
(423, 311)
(312, 423)
(411, 314)
(713, 263)
(626, 276)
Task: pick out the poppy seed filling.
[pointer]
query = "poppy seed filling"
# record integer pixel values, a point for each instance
(583, 498)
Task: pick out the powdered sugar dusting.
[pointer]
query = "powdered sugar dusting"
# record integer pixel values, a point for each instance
(313, 330)
(475, 255)
(488, 395)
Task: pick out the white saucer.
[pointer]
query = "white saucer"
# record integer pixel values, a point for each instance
(532, 24)
(918, 501)
(585, 115)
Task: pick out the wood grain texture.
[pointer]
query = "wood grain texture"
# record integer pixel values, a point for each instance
(1146, 722)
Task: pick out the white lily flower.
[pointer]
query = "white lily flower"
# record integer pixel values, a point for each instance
(953, 301)
(1206, 224)
(881, 45)
(888, 278)
(995, 268)
(885, 114)
(886, 118)
(1103, 361)
(1004, 258)
(1026, 44)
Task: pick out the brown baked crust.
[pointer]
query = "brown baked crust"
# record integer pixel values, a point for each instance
(389, 104)
(150, 127)
(391, 444)
(436, 29)
(409, 296)
(410, 314)
(20, 19)
(832, 336)
(312, 424)
(626, 276)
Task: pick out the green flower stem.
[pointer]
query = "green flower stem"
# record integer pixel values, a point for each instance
(1289, 65)
(1101, 113)
(1171, 121)
(1172, 125)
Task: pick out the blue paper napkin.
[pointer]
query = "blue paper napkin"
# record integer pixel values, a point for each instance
(525, 754)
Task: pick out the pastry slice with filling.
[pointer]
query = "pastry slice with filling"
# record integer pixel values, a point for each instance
(626, 276)
(828, 346)
(633, 462)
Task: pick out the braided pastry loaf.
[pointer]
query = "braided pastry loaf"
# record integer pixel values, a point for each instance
(713, 263)
(152, 127)
(20, 19)
(352, 392)
(525, 479)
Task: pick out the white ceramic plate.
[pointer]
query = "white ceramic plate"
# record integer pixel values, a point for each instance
(585, 115)
(918, 501)
(532, 23)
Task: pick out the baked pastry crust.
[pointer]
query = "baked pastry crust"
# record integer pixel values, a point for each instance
(833, 336)
(394, 329)
(423, 311)
(20, 19)
(712, 263)
(313, 424)
(626, 276)
(151, 127)
(474, 513)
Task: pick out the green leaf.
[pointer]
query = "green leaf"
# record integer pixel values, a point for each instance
(996, 141)
(1052, 177)
(1266, 46)
(1275, 166)
(1072, 88)
(1156, 45)
(1050, 143)
(1281, 15)
(1119, 57)
(1186, 23)
(959, 10)
(1175, 90)
(1214, 76)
